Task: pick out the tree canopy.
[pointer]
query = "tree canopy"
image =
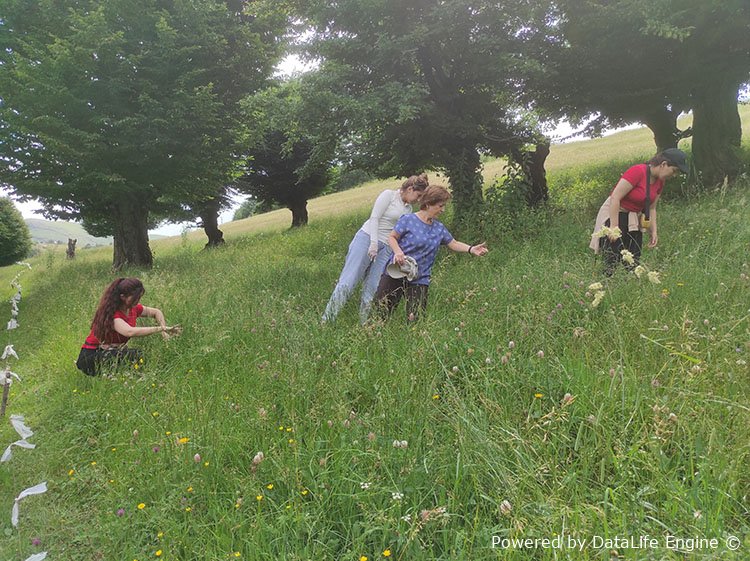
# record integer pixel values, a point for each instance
(288, 163)
(120, 113)
(635, 61)
(424, 84)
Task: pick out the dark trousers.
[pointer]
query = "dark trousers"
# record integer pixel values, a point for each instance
(389, 294)
(91, 361)
(632, 241)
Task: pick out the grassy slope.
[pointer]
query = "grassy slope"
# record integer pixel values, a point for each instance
(655, 440)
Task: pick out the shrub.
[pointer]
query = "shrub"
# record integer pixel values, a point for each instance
(15, 239)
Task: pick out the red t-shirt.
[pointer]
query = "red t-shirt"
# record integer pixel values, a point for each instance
(635, 199)
(114, 337)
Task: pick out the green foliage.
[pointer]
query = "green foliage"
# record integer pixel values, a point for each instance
(113, 112)
(682, 55)
(15, 240)
(246, 209)
(285, 165)
(406, 86)
(344, 177)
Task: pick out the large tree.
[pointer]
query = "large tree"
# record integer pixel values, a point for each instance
(119, 113)
(288, 160)
(634, 61)
(423, 84)
(15, 239)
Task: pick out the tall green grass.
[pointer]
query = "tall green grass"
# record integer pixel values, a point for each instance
(627, 419)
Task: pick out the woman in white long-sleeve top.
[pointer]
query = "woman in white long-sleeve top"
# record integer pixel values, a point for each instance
(369, 251)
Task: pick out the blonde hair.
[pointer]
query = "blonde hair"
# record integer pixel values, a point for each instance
(434, 195)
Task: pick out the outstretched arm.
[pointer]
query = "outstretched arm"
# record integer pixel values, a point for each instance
(123, 328)
(479, 250)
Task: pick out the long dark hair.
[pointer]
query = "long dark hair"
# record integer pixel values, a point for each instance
(104, 318)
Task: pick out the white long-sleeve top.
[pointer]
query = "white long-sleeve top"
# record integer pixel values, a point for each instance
(386, 211)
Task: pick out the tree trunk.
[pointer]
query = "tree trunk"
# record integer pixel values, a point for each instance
(465, 177)
(299, 212)
(131, 237)
(663, 123)
(717, 131)
(210, 220)
(538, 192)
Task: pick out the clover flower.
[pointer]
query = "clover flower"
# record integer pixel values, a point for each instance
(627, 257)
(653, 276)
(639, 270)
(505, 508)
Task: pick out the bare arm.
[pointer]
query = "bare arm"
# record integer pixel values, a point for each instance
(398, 254)
(123, 328)
(653, 234)
(479, 250)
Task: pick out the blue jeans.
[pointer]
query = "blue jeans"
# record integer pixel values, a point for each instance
(358, 267)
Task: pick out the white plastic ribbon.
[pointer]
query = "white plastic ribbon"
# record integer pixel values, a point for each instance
(38, 556)
(8, 454)
(5, 379)
(24, 432)
(19, 425)
(9, 351)
(12, 324)
(35, 490)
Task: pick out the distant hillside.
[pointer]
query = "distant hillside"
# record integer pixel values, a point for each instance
(48, 231)
(58, 231)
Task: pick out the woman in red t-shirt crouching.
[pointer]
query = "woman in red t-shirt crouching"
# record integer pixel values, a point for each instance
(621, 220)
(114, 324)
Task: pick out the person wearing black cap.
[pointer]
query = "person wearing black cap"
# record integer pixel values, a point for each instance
(631, 207)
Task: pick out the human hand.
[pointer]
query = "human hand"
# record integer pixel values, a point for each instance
(372, 253)
(399, 258)
(480, 249)
(653, 241)
(172, 331)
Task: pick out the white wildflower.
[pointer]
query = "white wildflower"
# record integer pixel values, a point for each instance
(598, 297)
(364, 486)
(505, 508)
(627, 257)
(397, 496)
(596, 286)
(639, 270)
(653, 276)
(612, 233)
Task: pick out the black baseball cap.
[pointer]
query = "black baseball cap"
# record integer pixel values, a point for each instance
(677, 158)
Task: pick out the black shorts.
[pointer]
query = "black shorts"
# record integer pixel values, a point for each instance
(91, 361)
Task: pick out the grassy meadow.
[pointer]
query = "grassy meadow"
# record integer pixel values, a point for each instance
(514, 409)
